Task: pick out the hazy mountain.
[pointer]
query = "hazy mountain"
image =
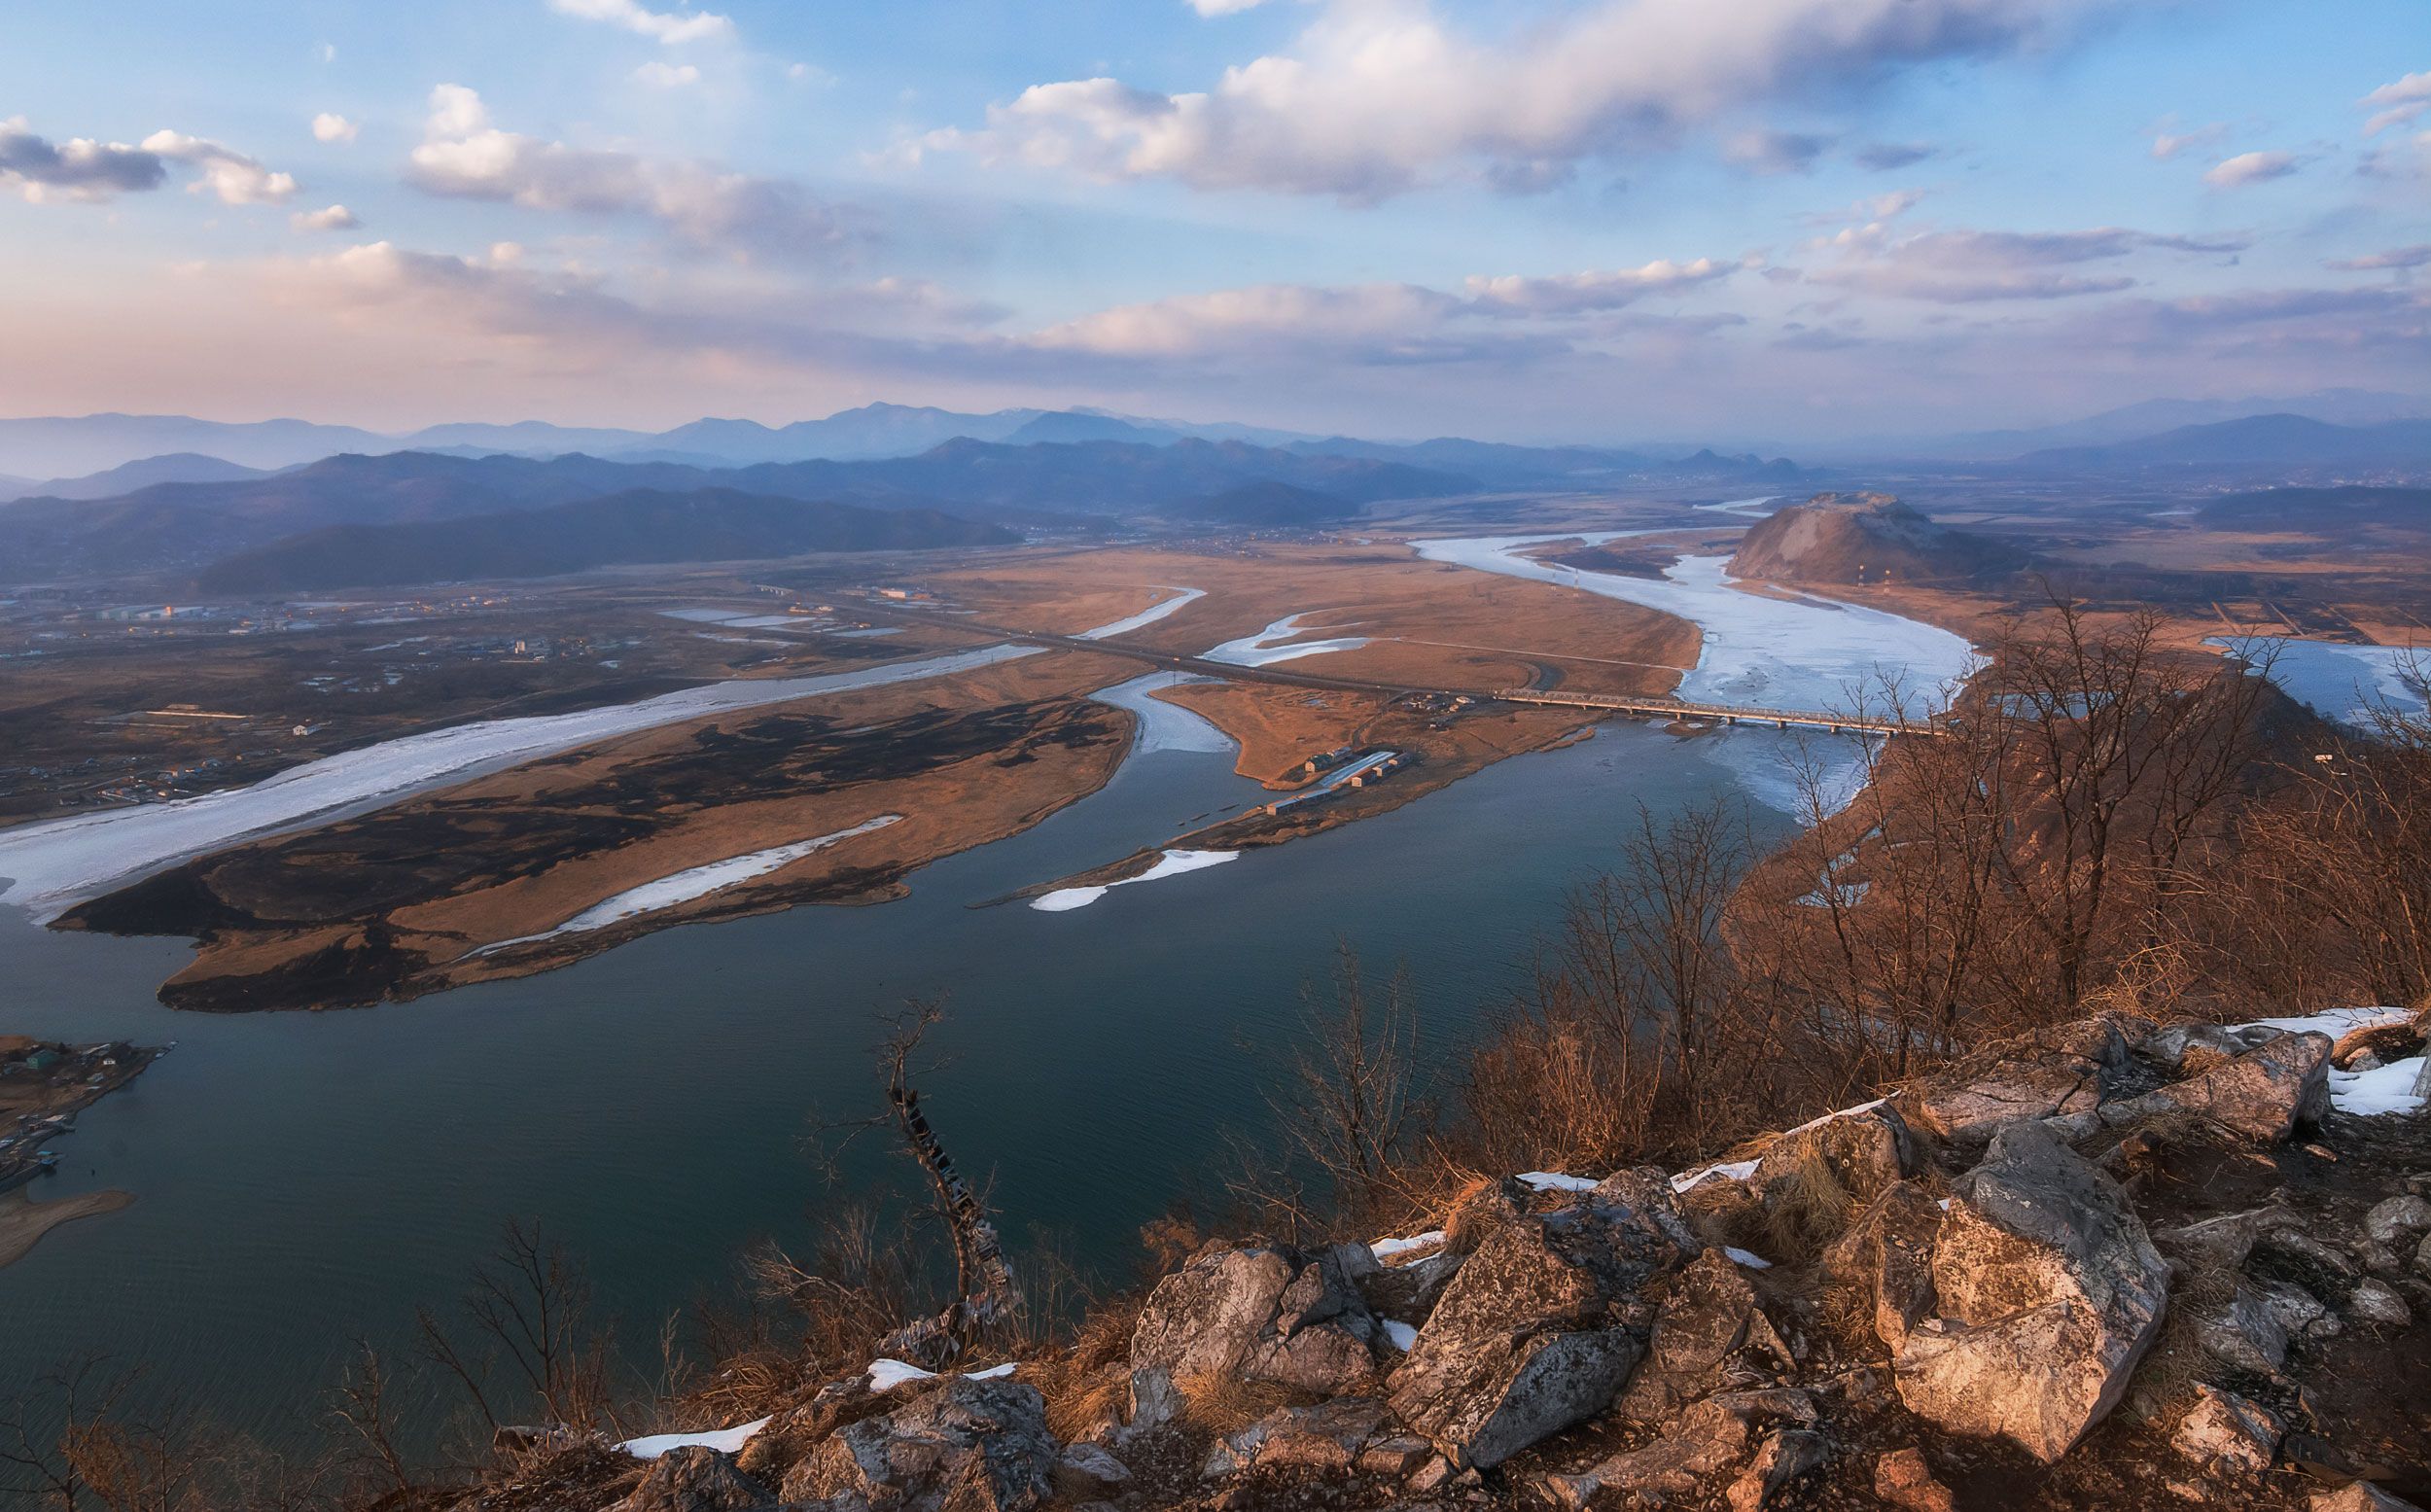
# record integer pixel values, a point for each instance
(531, 438)
(1267, 506)
(868, 432)
(181, 467)
(74, 447)
(1502, 465)
(2259, 441)
(637, 526)
(2151, 417)
(1862, 538)
(1072, 425)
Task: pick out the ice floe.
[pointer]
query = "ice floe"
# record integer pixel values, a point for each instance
(50, 865)
(2349, 684)
(1163, 725)
(1172, 864)
(1146, 617)
(1274, 644)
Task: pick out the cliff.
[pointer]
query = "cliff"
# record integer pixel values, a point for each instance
(2118, 1264)
(1863, 538)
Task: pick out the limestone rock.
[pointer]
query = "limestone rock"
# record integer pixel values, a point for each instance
(2245, 1334)
(2226, 1437)
(1255, 1313)
(980, 1445)
(1407, 1291)
(1086, 1470)
(1530, 1337)
(1780, 1458)
(796, 1431)
(2263, 1094)
(1705, 1443)
(2376, 1302)
(1964, 1109)
(1483, 1207)
(2049, 1292)
(1886, 1257)
(1710, 1336)
(1335, 1437)
(2398, 1219)
(1903, 1479)
(695, 1479)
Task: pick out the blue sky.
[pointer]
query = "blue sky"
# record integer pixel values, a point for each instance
(1776, 220)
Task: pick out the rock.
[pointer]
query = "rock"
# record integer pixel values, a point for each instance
(2227, 1437)
(796, 1431)
(1780, 1458)
(2398, 1219)
(2379, 1259)
(1482, 1207)
(971, 1444)
(2223, 1241)
(2263, 1094)
(1530, 1337)
(2293, 1248)
(2358, 1497)
(1861, 1154)
(1710, 1336)
(695, 1479)
(1903, 1479)
(2049, 1293)
(2190, 1049)
(1406, 1292)
(1330, 1437)
(2376, 1301)
(1886, 1257)
(2246, 1334)
(2423, 1258)
(1255, 1313)
(1964, 1109)
(2383, 1042)
(1085, 1471)
(1706, 1442)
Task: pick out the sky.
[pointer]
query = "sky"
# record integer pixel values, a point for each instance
(1759, 222)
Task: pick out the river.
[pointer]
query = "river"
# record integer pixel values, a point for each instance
(305, 1180)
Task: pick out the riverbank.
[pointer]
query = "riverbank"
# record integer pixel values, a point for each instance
(23, 1221)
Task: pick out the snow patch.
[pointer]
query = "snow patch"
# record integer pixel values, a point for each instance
(1727, 1171)
(726, 1441)
(1387, 1248)
(1401, 1335)
(885, 1375)
(1267, 647)
(1556, 1181)
(1146, 617)
(1172, 864)
(2383, 1089)
(1746, 1257)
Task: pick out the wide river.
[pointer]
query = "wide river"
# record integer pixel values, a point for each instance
(305, 1180)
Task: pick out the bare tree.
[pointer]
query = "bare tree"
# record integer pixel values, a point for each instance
(1346, 1100)
(529, 1314)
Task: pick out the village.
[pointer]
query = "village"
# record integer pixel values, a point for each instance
(42, 1087)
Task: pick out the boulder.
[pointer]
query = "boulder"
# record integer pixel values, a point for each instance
(798, 1429)
(1863, 1154)
(2263, 1094)
(979, 1445)
(2358, 1497)
(1336, 1437)
(2049, 1292)
(1903, 1479)
(1482, 1207)
(1534, 1334)
(1964, 1108)
(1405, 1290)
(1710, 1335)
(2244, 1333)
(1255, 1313)
(2190, 1049)
(1781, 1458)
(2226, 1437)
(2397, 1220)
(2375, 1301)
(1085, 1471)
(1704, 1445)
(695, 1479)
(1886, 1258)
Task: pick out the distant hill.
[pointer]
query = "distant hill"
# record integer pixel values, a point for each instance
(1863, 538)
(2153, 416)
(1066, 425)
(2319, 511)
(1501, 464)
(2257, 441)
(1268, 506)
(179, 467)
(636, 526)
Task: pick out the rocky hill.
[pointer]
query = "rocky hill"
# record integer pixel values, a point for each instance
(1863, 538)
(2118, 1265)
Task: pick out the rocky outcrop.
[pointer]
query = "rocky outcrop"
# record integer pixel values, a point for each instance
(968, 1444)
(1536, 1333)
(2228, 1438)
(695, 1479)
(1261, 1312)
(1706, 1446)
(1348, 1434)
(1710, 1335)
(1887, 1259)
(2049, 1292)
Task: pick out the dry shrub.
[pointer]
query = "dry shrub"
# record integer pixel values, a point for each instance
(1088, 1381)
(1222, 1404)
(1805, 1205)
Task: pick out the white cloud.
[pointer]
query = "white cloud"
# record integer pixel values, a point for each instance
(238, 180)
(1224, 7)
(1567, 294)
(1977, 266)
(2399, 102)
(328, 126)
(78, 169)
(2417, 255)
(335, 217)
(2250, 168)
(464, 157)
(663, 26)
(2168, 144)
(1380, 95)
(666, 76)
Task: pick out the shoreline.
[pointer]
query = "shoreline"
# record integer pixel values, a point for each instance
(25, 1221)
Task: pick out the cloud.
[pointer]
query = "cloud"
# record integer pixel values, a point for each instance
(78, 169)
(464, 157)
(2168, 144)
(1224, 7)
(664, 76)
(1977, 266)
(329, 127)
(1776, 152)
(2250, 168)
(662, 26)
(1887, 157)
(1573, 292)
(238, 180)
(335, 217)
(1379, 96)
(2417, 255)
(2399, 102)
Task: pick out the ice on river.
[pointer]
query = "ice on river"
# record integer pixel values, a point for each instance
(1791, 653)
(1146, 617)
(1267, 647)
(49, 867)
(1172, 864)
(2339, 682)
(1755, 508)
(1163, 725)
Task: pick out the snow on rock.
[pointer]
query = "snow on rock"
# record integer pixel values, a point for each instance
(1556, 1181)
(1172, 864)
(885, 1375)
(726, 1441)
(1387, 1248)
(1727, 1171)
(1746, 1257)
(1401, 1335)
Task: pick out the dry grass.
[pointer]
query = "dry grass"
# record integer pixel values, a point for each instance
(1805, 1205)
(1089, 1381)
(1222, 1404)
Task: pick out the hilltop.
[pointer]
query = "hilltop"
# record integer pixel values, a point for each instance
(1863, 538)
